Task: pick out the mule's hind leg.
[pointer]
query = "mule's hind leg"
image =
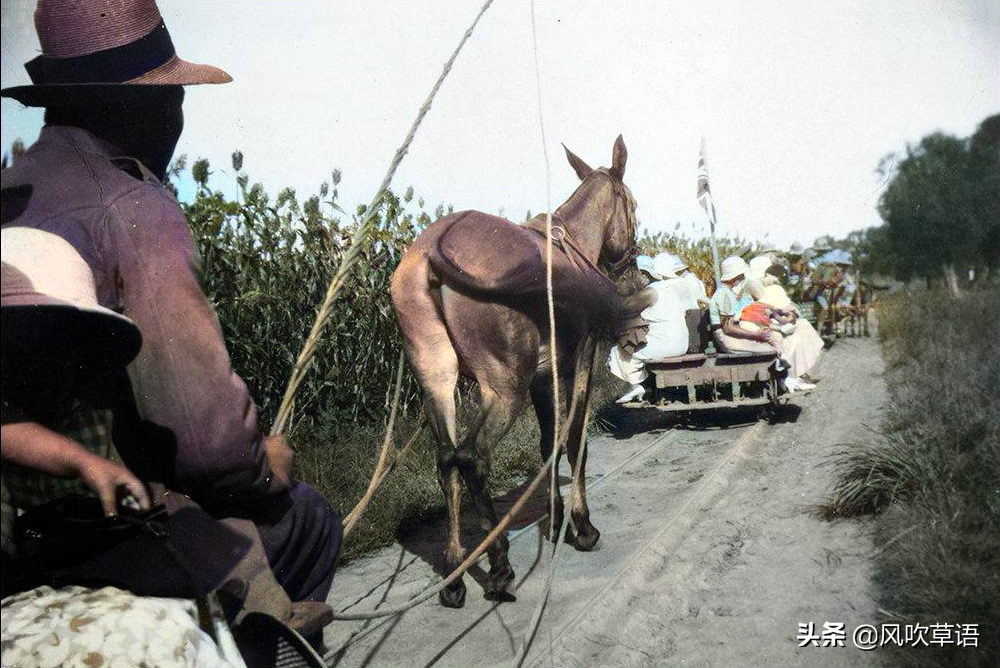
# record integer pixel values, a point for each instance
(473, 457)
(580, 532)
(439, 402)
(435, 364)
(440, 407)
(541, 400)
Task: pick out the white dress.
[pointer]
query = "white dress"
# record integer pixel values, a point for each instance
(667, 336)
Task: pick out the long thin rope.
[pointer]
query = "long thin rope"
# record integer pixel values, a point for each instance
(358, 242)
(556, 399)
(461, 568)
(736, 448)
(555, 533)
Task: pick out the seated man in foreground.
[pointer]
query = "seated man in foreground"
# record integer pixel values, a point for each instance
(96, 173)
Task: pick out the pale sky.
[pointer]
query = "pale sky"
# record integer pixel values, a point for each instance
(797, 100)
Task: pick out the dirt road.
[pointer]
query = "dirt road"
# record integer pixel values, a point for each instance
(709, 555)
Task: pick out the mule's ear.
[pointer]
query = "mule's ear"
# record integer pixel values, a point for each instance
(619, 155)
(581, 168)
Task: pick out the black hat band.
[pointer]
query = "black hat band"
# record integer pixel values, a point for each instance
(117, 65)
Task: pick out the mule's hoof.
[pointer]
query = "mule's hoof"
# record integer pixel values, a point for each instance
(452, 597)
(585, 540)
(502, 596)
(499, 586)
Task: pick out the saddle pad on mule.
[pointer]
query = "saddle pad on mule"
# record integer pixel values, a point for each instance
(501, 260)
(489, 254)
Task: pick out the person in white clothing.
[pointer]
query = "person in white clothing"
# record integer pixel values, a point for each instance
(668, 333)
(689, 288)
(800, 347)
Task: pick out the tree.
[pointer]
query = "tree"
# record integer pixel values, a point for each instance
(940, 206)
(984, 174)
(924, 207)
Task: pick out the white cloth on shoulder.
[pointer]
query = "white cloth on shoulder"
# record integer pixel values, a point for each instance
(689, 290)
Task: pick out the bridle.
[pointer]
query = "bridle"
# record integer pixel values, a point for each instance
(617, 269)
(572, 250)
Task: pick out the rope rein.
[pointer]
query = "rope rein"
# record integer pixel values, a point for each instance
(550, 465)
(555, 533)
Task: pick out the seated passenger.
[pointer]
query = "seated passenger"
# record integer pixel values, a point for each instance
(727, 302)
(756, 274)
(799, 347)
(57, 344)
(690, 290)
(799, 271)
(668, 333)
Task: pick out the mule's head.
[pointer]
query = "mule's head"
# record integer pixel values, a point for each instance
(613, 205)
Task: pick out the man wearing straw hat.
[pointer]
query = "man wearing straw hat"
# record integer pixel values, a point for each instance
(112, 87)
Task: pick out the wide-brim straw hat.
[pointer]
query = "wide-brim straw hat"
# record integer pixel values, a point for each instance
(96, 50)
(734, 266)
(45, 284)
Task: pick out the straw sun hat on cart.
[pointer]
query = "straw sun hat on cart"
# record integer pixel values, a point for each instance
(734, 266)
(47, 294)
(96, 50)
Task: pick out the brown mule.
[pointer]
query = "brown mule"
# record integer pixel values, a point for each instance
(470, 299)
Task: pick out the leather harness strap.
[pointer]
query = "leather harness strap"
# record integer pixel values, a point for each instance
(566, 242)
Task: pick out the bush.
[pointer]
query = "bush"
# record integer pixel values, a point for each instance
(266, 267)
(934, 477)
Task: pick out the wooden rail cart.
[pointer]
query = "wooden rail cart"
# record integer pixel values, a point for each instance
(703, 381)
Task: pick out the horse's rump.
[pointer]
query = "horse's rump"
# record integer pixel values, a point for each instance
(494, 258)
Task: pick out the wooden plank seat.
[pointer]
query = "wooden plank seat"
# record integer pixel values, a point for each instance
(743, 357)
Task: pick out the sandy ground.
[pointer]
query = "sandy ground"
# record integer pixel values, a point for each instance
(709, 554)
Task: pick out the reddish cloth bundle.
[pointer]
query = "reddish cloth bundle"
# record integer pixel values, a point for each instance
(758, 313)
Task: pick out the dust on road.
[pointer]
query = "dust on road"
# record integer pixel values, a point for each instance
(709, 554)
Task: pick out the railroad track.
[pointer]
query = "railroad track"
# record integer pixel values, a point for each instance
(634, 463)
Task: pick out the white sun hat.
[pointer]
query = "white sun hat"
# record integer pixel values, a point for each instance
(758, 267)
(678, 265)
(644, 263)
(775, 297)
(734, 266)
(46, 284)
(666, 265)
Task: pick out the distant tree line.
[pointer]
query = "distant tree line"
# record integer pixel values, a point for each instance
(941, 211)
